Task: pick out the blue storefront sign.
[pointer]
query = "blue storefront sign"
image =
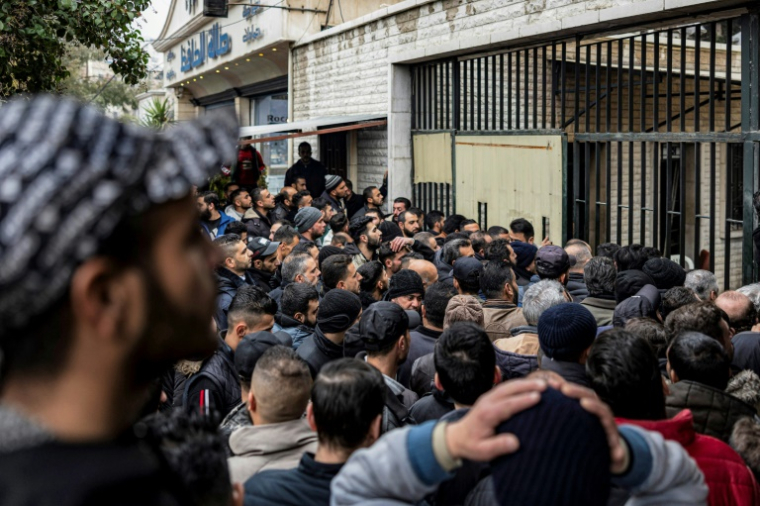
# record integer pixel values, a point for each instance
(252, 34)
(209, 44)
(250, 10)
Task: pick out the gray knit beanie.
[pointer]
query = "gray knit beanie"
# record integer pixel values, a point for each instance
(306, 218)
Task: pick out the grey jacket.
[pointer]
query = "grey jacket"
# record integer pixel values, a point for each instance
(388, 473)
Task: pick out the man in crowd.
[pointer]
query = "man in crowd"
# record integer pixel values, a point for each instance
(338, 271)
(576, 285)
(703, 317)
(373, 200)
(228, 189)
(409, 221)
(599, 275)
(298, 312)
(552, 262)
(239, 202)
(425, 269)
(299, 184)
(338, 311)
(498, 232)
(466, 273)
(500, 311)
(237, 228)
(335, 191)
(406, 290)
(265, 259)
(742, 315)
(257, 217)
(522, 230)
(230, 274)
(109, 318)
(450, 253)
(311, 170)
(469, 226)
(283, 204)
(566, 333)
(704, 283)
(297, 268)
(391, 259)
(384, 330)
(213, 222)
(279, 436)
(214, 390)
(342, 426)
(288, 238)
(354, 202)
(310, 223)
(480, 241)
(374, 283)
(400, 204)
(367, 238)
(434, 221)
(625, 374)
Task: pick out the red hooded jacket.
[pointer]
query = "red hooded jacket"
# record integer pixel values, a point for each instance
(728, 477)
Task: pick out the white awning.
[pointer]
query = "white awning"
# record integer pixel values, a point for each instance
(309, 124)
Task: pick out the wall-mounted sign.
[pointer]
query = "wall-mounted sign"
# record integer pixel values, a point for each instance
(210, 44)
(190, 6)
(252, 34)
(171, 75)
(170, 56)
(250, 10)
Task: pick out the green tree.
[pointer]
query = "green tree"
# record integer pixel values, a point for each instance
(35, 36)
(158, 114)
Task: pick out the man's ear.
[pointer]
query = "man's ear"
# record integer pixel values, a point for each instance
(106, 300)
(456, 284)
(530, 240)
(310, 417)
(229, 262)
(437, 381)
(374, 430)
(299, 278)
(300, 317)
(496, 375)
(241, 329)
(257, 264)
(424, 311)
(251, 401)
(341, 285)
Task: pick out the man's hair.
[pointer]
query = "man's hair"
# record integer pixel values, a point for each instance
(625, 374)
(403, 200)
(296, 199)
(348, 395)
(305, 247)
(498, 250)
(349, 184)
(629, 257)
(358, 227)
(432, 218)
(256, 195)
(478, 240)
(320, 203)
(522, 226)
(409, 257)
(412, 210)
(451, 249)
(384, 252)
(649, 252)
(294, 264)
(651, 330)
(285, 233)
(423, 237)
(581, 251)
(540, 297)
(694, 356)
(193, 450)
(340, 239)
(744, 321)
(702, 282)
(249, 304)
(496, 231)
(296, 298)
(676, 297)
(607, 249)
(236, 194)
(281, 383)
(465, 361)
(227, 245)
(437, 297)
(210, 198)
(495, 275)
(228, 184)
(236, 227)
(367, 193)
(335, 269)
(752, 291)
(371, 272)
(466, 222)
(338, 223)
(456, 235)
(703, 317)
(452, 223)
(599, 275)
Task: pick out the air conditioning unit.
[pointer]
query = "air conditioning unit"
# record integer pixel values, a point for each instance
(215, 8)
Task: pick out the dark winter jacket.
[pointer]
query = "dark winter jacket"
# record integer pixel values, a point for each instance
(280, 212)
(258, 224)
(576, 285)
(298, 331)
(259, 278)
(353, 204)
(309, 483)
(715, 412)
(337, 205)
(215, 389)
(571, 371)
(422, 342)
(603, 308)
(220, 228)
(398, 400)
(238, 417)
(314, 173)
(432, 406)
(747, 351)
(514, 365)
(317, 351)
(423, 375)
(227, 284)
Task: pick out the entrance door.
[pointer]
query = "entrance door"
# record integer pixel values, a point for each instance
(333, 153)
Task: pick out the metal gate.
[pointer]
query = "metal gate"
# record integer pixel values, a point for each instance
(662, 127)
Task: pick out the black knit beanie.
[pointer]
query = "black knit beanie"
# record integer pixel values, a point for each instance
(328, 251)
(390, 230)
(338, 310)
(564, 458)
(628, 283)
(404, 282)
(566, 330)
(665, 273)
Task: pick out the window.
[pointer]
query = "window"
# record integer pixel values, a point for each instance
(735, 186)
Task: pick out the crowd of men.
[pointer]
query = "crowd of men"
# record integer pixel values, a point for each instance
(344, 355)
